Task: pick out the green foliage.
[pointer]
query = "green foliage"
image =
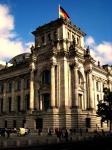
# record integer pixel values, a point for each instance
(105, 106)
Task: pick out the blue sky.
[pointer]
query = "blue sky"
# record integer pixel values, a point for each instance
(18, 18)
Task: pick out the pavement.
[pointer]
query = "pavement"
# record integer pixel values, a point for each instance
(34, 138)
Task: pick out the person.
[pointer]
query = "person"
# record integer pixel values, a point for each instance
(80, 131)
(40, 131)
(103, 133)
(59, 135)
(8, 133)
(74, 131)
(71, 132)
(66, 135)
(50, 132)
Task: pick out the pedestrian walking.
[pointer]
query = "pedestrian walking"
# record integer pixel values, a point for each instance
(80, 131)
(74, 131)
(103, 133)
(8, 133)
(66, 135)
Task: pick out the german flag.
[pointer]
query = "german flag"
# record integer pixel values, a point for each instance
(63, 13)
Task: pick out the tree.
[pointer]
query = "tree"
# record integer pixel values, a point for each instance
(105, 106)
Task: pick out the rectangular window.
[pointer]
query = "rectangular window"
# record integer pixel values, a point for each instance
(1, 89)
(28, 83)
(10, 87)
(1, 104)
(9, 104)
(5, 124)
(43, 40)
(19, 85)
(18, 103)
(14, 123)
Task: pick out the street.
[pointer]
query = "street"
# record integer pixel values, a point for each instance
(103, 143)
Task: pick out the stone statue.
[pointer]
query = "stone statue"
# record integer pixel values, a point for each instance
(88, 51)
(74, 42)
(32, 49)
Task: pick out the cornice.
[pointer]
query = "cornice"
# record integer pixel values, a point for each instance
(100, 70)
(8, 79)
(14, 68)
(54, 25)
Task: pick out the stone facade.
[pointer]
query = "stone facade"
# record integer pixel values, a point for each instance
(58, 84)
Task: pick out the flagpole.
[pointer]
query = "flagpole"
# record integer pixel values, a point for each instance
(59, 10)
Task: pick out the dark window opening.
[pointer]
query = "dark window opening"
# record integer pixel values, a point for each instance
(39, 123)
(19, 85)
(42, 39)
(88, 123)
(5, 124)
(2, 88)
(14, 123)
(1, 104)
(10, 101)
(46, 98)
(28, 102)
(10, 87)
(49, 37)
(18, 103)
(46, 77)
(28, 83)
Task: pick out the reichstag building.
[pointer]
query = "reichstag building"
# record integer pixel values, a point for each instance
(57, 85)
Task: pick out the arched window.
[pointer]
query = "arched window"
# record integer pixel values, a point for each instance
(46, 77)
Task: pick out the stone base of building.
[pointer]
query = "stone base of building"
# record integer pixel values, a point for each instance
(63, 118)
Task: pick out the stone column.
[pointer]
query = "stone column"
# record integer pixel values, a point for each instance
(53, 86)
(75, 101)
(22, 95)
(13, 96)
(32, 90)
(36, 96)
(41, 102)
(4, 97)
(90, 86)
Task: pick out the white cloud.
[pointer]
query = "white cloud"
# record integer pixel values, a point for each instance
(100, 52)
(10, 44)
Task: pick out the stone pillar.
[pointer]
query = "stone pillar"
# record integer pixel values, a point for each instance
(90, 86)
(4, 97)
(41, 102)
(32, 90)
(36, 96)
(22, 95)
(13, 96)
(70, 87)
(75, 101)
(53, 86)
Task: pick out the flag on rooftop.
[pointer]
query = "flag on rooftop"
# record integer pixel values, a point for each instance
(63, 13)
